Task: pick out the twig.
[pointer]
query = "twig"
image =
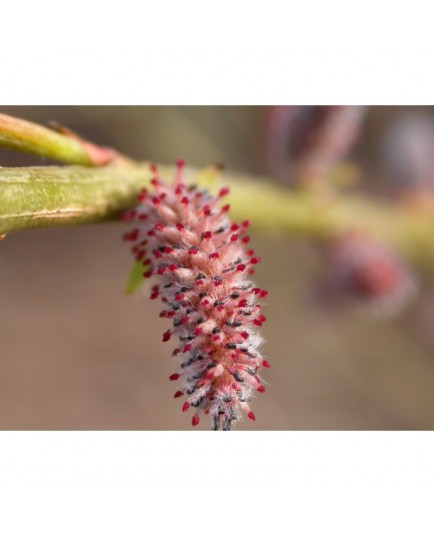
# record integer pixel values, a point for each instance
(58, 143)
(38, 197)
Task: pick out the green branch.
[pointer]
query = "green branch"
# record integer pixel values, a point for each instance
(38, 197)
(35, 197)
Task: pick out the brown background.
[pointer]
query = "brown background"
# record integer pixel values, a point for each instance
(76, 353)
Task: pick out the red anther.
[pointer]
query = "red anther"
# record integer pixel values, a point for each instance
(157, 254)
(151, 232)
(164, 300)
(266, 363)
(214, 255)
(255, 260)
(250, 252)
(168, 250)
(226, 208)
(143, 243)
(218, 283)
(200, 282)
(154, 295)
(184, 321)
(178, 394)
(195, 420)
(161, 270)
(174, 376)
(262, 318)
(204, 303)
(206, 210)
(180, 163)
(180, 296)
(257, 322)
(198, 331)
(173, 267)
(234, 356)
(263, 293)
(256, 290)
(140, 255)
(207, 235)
(170, 314)
(143, 217)
(216, 338)
(147, 274)
(241, 267)
(245, 224)
(154, 181)
(261, 389)
(160, 227)
(193, 251)
(178, 189)
(156, 200)
(251, 416)
(187, 348)
(245, 239)
(154, 168)
(185, 406)
(163, 196)
(235, 227)
(244, 335)
(243, 303)
(142, 196)
(224, 191)
(220, 308)
(146, 262)
(166, 336)
(234, 237)
(185, 200)
(175, 352)
(250, 271)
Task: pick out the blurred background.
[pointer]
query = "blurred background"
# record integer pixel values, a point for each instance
(76, 353)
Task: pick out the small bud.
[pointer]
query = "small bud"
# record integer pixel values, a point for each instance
(174, 377)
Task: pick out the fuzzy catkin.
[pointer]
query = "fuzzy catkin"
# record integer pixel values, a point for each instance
(187, 242)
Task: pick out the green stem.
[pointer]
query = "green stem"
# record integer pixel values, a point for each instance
(35, 197)
(38, 197)
(62, 145)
